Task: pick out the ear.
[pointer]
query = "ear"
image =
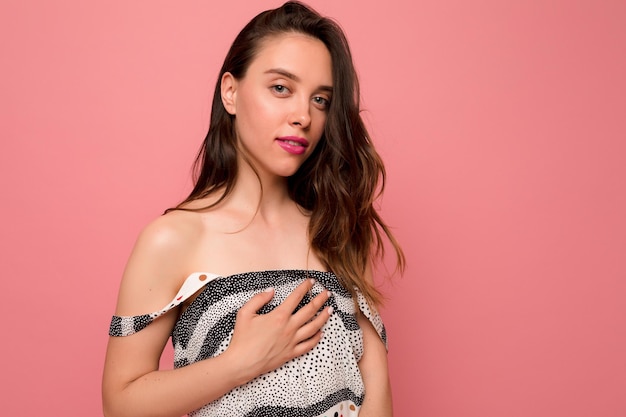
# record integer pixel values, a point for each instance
(228, 87)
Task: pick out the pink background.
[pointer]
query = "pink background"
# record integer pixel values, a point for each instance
(502, 126)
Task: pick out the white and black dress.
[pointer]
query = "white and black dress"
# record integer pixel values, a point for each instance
(326, 381)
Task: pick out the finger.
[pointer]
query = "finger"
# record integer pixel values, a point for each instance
(307, 344)
(312, 308)
(253, 305)
(312, 327)
(293, 299)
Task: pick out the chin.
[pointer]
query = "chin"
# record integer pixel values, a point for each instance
(289, 167)
(286, 172)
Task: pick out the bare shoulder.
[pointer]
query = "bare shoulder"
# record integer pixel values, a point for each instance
(158, 262)
(173, 232)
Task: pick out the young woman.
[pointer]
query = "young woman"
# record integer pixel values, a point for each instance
(264, 270)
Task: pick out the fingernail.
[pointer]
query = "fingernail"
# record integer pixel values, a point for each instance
(330, 310)
(270, 289)
(312, 281)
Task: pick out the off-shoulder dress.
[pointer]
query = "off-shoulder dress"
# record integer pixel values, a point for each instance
(325, 382)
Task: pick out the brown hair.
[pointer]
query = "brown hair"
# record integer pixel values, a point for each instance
(339, 181)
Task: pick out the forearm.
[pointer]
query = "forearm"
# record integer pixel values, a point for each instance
(166, 393)
(374, 371)
(377, 402)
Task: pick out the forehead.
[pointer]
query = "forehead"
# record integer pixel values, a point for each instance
(302, 55)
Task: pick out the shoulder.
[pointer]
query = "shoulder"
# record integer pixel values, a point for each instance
(172, 232)
(167, 243)
(158, 263)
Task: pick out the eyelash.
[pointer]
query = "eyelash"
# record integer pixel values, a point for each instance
(279, 86)
(324, 101)
(319, 101)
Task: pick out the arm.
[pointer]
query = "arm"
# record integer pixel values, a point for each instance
(373, 366)
(132, 383)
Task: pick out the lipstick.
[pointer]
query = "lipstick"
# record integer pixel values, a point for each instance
(293, 144)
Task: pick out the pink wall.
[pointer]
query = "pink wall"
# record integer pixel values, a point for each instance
(502, 125)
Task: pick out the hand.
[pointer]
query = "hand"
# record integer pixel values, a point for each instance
(263, 342)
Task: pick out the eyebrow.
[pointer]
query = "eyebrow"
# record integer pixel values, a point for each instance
(294, 77)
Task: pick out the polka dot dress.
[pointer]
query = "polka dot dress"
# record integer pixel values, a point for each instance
(323, 382)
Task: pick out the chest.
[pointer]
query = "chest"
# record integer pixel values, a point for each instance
(255, 249)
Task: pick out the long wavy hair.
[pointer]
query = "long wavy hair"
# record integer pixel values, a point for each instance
(340, 180)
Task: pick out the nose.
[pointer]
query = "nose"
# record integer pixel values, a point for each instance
(301, 114)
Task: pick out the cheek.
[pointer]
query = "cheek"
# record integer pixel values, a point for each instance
(319, 123)
(254, 113)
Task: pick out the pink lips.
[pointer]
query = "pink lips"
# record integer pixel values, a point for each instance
(293, 144)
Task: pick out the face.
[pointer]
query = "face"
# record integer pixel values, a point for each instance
(280, 105)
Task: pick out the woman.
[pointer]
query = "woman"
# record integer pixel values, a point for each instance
(281, 218)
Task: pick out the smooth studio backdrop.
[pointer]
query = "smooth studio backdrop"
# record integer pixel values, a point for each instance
(502, 127)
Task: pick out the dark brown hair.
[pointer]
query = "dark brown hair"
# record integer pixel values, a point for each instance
(339, 181)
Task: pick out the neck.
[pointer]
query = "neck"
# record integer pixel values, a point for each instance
(260, 190)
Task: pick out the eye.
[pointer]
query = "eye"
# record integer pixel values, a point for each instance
(280, 89)
(321, 102)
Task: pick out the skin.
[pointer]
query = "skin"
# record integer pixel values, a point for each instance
(283, 93)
